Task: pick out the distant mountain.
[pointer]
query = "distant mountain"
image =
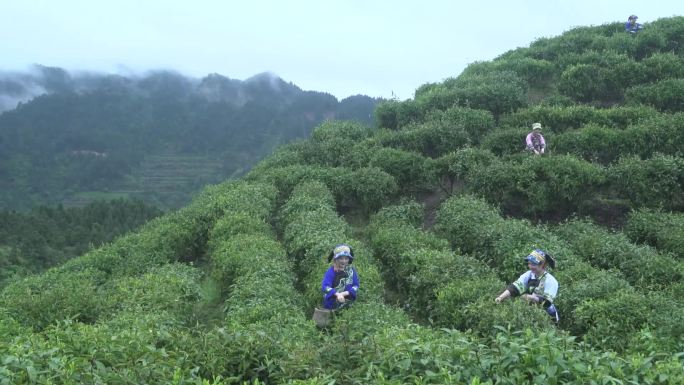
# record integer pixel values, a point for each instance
(72, 138)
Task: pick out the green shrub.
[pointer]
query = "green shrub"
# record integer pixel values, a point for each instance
(559, 119)
(407, 168)
(582, 282)
(286, 155)
(593, 144)
(589, 83)
(407, 213)
(286, 178)
(241, 250)
(641, 265)
(650, 41)
(463, 221)
(460, 306)
(173, 289)
(495, 91)
(609, 323)
(653, 183)
(336, 129)
(367, 187)
(534, 71)
(507, 141)
(38, 301)
(662, 230)
(548, 185)
(9, 327)
(393, 115)
(665, 95)
(440, 132)
(453, 170)
(475, 228)
(661, 66)
(476, 123)
(238, 223)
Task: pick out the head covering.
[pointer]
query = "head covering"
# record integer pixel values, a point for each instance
(538, 256)
(536, 126)
(341, 250)
(633, 17)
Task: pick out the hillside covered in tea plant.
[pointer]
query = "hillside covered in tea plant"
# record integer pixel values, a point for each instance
(441, 204)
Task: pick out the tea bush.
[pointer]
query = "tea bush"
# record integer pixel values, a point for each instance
(599, 319)
(425, 138)
(476, 123)
(495, 91)
(407, 168)
(593, 144)
(652, 183)
(641, 265)
(469, 305)
(665, 95)
(38, 301)
(453, 170)
(559, 119)
(336, 129)
(367, 188)
(665, 65)
(589, 83)
(173, 289)
(662, 230)
(464, 221)
(263, 309)
(582, 282)
(9, 327)
(287, 177)
(393, 114)
(507, 141)
(538, 185)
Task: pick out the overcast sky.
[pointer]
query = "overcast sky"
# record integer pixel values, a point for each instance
(344, 47)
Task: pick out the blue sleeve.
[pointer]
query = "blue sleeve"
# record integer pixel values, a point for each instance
(326, 284)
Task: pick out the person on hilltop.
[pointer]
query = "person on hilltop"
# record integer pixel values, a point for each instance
(535, 141)
(632, 26)
(536, 285)
(340, 283)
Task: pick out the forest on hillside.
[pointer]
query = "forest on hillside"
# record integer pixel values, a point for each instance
(33, 241)
(441, 204)
(159, 137)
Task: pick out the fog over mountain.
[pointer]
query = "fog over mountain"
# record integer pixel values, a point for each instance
(69, 137)
(20, 87)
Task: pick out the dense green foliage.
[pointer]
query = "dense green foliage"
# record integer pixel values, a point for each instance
(44, 237)
(440, 205)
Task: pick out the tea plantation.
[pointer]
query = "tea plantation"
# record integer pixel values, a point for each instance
(441, 205)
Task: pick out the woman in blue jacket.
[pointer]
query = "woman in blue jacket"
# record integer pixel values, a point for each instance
(340, 283)
(631, 25)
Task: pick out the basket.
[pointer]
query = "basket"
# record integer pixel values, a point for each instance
(322, 317)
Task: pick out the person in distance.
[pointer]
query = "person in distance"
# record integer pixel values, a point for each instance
(632, 26)
(535, 141)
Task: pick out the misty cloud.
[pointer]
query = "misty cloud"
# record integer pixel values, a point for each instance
(18, 88)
